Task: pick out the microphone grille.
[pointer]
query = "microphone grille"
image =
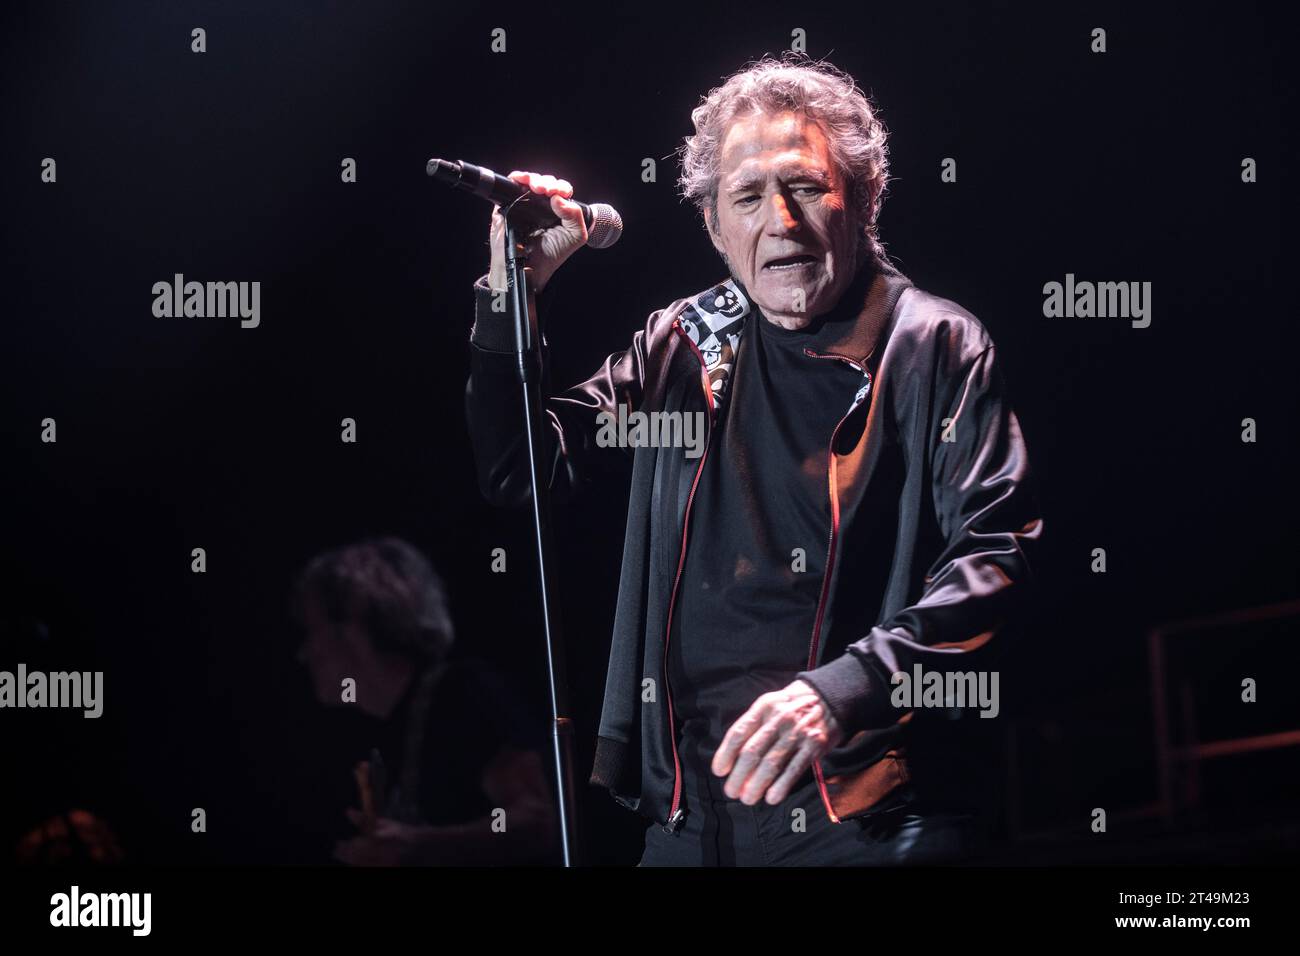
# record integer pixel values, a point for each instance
(606, 226)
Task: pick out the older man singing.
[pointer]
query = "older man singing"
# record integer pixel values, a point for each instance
(860, 517)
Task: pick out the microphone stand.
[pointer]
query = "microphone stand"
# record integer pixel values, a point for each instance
(528, 352)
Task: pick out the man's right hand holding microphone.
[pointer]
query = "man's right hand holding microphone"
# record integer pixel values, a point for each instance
(546, 249)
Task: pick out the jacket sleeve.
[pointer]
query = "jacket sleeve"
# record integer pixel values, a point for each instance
(495, 414)
(987, 514)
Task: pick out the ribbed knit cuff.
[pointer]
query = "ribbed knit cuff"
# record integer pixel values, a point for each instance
(493, 331)
(855, 690)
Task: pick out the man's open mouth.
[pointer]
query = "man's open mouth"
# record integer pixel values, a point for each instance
(791, 262)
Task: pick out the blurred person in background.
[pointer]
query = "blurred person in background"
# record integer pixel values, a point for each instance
(453, 774)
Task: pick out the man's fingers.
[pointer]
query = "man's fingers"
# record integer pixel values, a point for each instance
(740, 731)
(798, 764)
(803, 757)
(768, 768)
(761, 759)
(566, 209)
(542, 183)
(538, 183)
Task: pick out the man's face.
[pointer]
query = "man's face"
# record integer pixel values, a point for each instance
(333, 651)
(783, 217)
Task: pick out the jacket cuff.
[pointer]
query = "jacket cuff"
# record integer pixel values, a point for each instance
(855, 691)
(493, 331)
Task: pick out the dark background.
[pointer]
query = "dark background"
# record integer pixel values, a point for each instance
(182, 433)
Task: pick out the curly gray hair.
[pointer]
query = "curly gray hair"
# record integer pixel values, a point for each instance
(857, 137)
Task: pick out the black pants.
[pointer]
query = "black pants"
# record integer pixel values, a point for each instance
(722, 832)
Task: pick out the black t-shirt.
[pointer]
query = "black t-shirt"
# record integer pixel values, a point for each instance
(472, 714)
(745, 611)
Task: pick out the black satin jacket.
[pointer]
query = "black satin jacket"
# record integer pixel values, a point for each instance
(933, 523)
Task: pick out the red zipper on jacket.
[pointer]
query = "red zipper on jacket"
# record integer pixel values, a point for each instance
(830, 559)
(674, 820)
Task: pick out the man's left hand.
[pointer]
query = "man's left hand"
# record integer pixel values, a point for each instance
(770, 746)
(388, 843)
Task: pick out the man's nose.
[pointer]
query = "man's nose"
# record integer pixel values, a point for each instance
(780, 220)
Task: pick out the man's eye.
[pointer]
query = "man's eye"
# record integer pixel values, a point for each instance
(744, 199)
(809, 190)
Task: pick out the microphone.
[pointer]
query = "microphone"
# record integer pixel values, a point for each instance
(604, 224)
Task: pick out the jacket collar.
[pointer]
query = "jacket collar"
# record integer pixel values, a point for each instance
(714, 320)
